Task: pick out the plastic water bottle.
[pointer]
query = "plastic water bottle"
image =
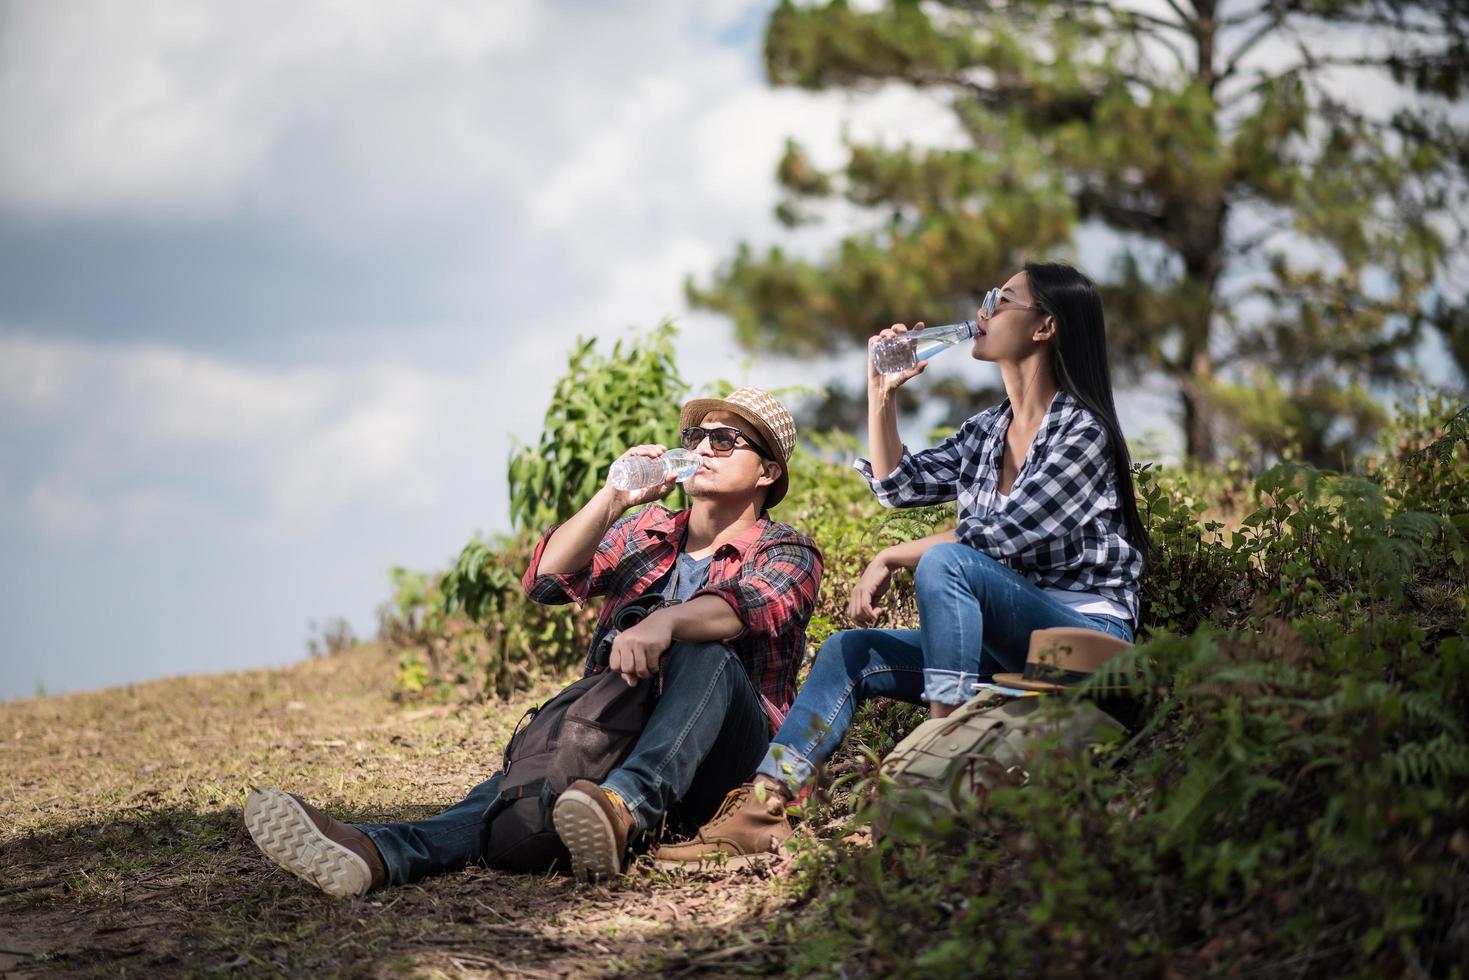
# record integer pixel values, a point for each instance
(894, 355)
(641, 472)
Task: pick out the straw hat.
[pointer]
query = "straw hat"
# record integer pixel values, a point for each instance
(772, 423)
(1063, 656)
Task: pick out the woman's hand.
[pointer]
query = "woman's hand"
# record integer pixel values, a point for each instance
(625, 499)
(862, 605)
(883, 385)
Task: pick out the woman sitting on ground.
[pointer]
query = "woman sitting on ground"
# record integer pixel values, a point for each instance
(1048, 536)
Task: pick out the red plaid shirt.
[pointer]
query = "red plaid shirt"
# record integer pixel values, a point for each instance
(769, 575)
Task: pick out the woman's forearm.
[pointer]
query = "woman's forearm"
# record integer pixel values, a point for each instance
(884, 448)
(906, 555)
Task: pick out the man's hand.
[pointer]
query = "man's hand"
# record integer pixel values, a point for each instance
(637, 651)
(572, 546)
(627, 499)
(862, 606)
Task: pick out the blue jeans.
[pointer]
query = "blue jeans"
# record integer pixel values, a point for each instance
(975, 616)
(704, 737)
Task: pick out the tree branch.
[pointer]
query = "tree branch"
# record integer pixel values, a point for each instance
(1246, 46)
(1179, 11)
(1136, 16)
(1131, 21)
(1246, 245)
(1421, 30)
(1090, 201)
(1238, 20)
(1178, 53)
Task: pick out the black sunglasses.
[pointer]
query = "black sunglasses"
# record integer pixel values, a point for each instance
(722, 440)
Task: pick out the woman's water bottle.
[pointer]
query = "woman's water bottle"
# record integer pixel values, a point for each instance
(894, 355)
(641, 472)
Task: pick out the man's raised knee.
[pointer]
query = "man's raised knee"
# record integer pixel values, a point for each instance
(706, 655)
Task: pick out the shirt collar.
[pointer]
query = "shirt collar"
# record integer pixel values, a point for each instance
(671, 527)
(668, 524)
(1061, 402)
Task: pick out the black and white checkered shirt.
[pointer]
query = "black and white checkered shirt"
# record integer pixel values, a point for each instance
(1061, 526)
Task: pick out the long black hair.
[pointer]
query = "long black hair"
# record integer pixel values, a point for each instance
(1079, 360)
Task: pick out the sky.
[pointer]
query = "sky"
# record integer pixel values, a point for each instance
(283, 282)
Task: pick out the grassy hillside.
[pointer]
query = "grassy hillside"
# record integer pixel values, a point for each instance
(1292, 799)
(121, 850)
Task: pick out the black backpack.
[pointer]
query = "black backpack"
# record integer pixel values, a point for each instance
(584, 732)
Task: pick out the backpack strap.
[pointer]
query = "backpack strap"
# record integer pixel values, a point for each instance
(525, 719)
(506, 797)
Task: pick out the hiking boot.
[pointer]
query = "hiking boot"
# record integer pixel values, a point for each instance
(339, 859)
(594, 826)
(745, 829)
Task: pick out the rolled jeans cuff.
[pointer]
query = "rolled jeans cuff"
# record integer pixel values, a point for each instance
(949, 686)
(386, 843)
(787, 766)
(631, 794)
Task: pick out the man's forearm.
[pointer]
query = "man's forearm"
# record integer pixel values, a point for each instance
(703, 619)
(571, 547)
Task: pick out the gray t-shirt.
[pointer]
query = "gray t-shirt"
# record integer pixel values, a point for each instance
(693, 574)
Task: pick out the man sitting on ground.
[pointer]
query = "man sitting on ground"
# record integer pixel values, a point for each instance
(728, 653)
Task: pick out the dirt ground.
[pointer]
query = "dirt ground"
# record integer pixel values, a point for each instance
(122, 852)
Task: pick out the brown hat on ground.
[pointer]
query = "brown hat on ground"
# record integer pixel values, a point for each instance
(772, 423)
(1062, 656)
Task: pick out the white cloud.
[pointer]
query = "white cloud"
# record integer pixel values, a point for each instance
(174, 396)
(294, 445)
(37, 378)
(562, 166)
(157, 105)
(63, 510)
(379, 445)
(638, 152)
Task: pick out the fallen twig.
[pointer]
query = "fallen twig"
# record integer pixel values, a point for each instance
(29, 885)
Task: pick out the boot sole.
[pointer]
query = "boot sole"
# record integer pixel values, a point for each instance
(286, 835)
(587, 833)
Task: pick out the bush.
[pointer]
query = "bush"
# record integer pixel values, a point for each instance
(1293, 800)
(1294, 803)
(602, 405)
(471, 629)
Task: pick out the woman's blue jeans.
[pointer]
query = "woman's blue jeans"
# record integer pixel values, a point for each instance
(975, 617)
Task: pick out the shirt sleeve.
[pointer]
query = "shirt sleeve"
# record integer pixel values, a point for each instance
(1073, 486)
(554, 589)
(775, 590)
(931, 476)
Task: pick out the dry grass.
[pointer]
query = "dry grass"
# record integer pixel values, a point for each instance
(121, 850)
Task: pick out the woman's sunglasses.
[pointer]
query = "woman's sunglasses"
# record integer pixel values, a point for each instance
(722, 440)
(991, 303)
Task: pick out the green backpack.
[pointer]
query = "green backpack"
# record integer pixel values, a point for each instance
(988, 741)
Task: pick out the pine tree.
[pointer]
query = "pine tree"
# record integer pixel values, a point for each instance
(1281, 247)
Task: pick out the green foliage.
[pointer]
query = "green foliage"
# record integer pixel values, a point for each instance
(472, 629)
(1294, 798)
(520, 640)
(830, 502)
(1273, 235)
(600, 407)
(336, 636)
